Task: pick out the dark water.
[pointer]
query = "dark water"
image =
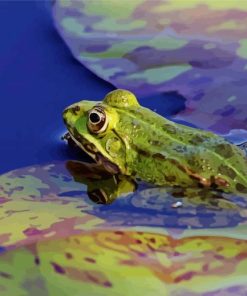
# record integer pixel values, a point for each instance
(39, 78)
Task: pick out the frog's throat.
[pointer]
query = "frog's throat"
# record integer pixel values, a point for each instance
(97, 156)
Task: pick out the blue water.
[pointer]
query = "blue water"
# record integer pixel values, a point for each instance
(38, 78)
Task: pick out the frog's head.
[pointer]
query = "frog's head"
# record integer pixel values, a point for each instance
(94, 127)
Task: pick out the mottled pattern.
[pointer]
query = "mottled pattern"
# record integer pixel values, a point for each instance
(56, 240)
(120, 262)
(197, 48)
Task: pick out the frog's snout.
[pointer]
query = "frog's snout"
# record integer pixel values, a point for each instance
(77, 110)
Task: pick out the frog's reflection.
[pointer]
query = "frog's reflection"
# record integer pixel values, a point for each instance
(102, 187)
(105, 188)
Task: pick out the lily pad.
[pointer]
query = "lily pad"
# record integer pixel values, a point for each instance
(65, 243)
(120, 262)
(195, 48)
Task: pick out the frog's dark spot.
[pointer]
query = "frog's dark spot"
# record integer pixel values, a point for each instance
(197, 139)
(224, 150)
(241, 188)
(170, 179)
(225, 170)
(170, 129)
(143, 152)
(5, 275)
(159, 156)
(75, 109)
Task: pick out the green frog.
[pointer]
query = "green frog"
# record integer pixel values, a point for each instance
(126, 138)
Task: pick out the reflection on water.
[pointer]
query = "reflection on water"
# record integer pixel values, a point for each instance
(102, 187)
(72, 190)
(80, 188)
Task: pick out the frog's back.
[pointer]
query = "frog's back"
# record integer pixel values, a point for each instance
(175, 154)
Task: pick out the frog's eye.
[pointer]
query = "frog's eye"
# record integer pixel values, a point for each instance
(97, 120)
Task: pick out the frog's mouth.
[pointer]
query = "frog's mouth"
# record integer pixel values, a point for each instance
(92, 151)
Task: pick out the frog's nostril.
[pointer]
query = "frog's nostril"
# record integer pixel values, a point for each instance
(75, 109)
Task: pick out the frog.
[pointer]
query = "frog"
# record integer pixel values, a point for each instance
(127, 138)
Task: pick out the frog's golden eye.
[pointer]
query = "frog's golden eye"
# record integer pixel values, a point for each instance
(97, 120)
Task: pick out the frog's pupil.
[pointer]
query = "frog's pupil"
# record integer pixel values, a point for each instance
(94, 117)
